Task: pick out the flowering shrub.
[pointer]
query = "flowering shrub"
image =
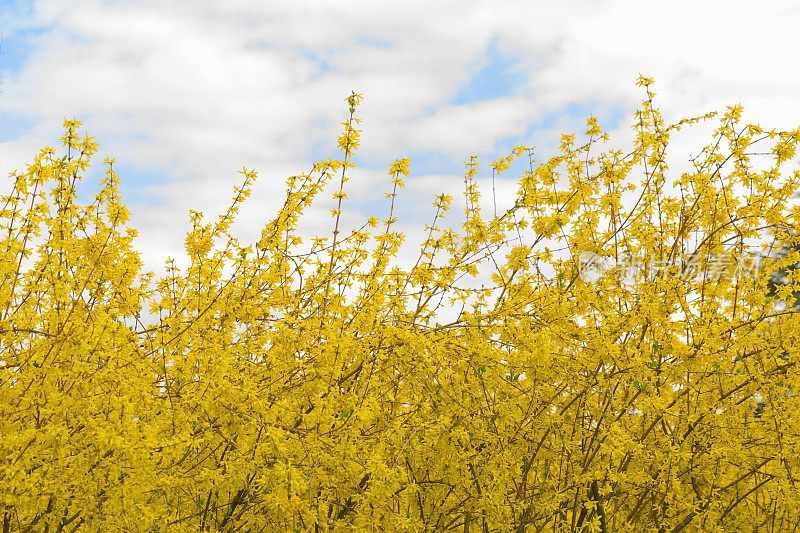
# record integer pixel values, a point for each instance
(267, 401)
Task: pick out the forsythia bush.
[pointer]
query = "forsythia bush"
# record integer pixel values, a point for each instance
(265, 400)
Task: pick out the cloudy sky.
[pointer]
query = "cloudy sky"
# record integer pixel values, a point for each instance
(185, 93)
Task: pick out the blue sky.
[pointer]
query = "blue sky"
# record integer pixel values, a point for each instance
(185, 93)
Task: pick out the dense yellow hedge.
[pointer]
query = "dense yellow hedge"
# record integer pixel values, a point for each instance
(267, 401)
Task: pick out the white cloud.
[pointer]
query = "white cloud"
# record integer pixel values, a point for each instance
(195, 90)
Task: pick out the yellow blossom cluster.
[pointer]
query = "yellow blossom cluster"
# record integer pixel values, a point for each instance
(265, 400)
